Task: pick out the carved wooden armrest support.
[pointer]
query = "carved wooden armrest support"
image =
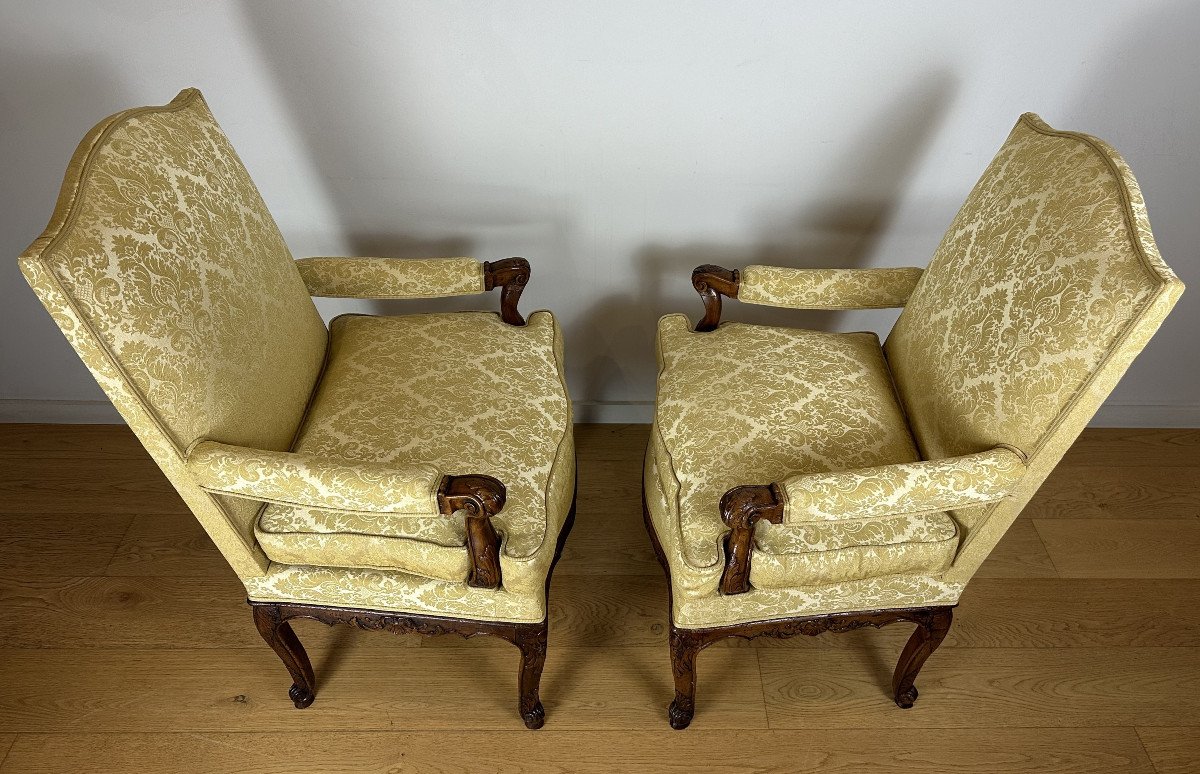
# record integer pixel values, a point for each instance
(741, 509)
(511, 274)
(481, 497)
(712, 282)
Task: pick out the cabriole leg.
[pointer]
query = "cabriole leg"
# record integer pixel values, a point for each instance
(531, 639)
(279, 635)
(684, 648)
(924, 641)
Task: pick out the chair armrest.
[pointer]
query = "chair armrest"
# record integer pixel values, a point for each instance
(915, 487)
(310, 481)
(886, 490)
(410, 278)
(802, 288)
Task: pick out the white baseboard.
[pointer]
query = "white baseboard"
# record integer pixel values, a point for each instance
(99, 412)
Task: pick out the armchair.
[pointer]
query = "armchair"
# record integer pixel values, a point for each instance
(410, 473)
(798, 482)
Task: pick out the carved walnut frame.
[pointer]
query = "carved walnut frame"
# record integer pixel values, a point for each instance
(741, 508)
(481, 497)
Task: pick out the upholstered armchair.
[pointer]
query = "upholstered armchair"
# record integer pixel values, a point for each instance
(412, 473)
(798, 482)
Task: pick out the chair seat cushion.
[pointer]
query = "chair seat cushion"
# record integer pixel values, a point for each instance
(818, 552)
(752, 404)
(462, 391)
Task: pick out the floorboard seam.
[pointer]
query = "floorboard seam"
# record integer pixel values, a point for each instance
(8, 750)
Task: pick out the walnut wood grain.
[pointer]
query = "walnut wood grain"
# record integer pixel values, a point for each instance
(712, 282)
(481, 497)
(933, 623)
(741, 508)
(511, 275)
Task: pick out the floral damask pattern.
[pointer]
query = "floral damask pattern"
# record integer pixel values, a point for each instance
(696, 602)
(463, 393)
(391, 277)
(396, 591)
(311, 481)
(827, 288)
(1036, 282)
(1045, 288)
(917, 487)
(168, 273)
(789, 555)
(836, 534)
(749, 404)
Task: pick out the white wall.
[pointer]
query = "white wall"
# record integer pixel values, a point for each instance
(614, 144)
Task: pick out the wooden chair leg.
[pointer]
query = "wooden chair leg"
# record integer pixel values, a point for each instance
(684, 648)
(924, 641)
(531, 640)
(279, 635)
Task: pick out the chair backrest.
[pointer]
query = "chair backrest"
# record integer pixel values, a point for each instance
(1043, 290)
(168, 275)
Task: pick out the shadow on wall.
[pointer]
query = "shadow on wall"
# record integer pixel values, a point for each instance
(46, 107)
(331, 87)
(841, 232)
(1146, 85)
(326, 85)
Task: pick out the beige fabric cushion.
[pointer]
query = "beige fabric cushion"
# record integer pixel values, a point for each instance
(461, 392)
(823, 552)
(696, 603)
(750, 404)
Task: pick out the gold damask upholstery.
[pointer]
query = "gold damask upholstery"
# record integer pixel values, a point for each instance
(395, 393)
(391, 277)
(898, 469)
(827, 288)
(743, 404)
(312, 456)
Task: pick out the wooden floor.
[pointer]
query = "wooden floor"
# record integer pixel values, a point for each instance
(126, 645)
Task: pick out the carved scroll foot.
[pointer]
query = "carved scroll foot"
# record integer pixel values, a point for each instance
(532, 642)
(279, 635)
(924, 641)
(684, 648)
(301, 696)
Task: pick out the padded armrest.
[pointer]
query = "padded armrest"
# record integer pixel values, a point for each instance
(890, 490)
(417, 278)
(392, 277)
(869, 493)
(827, 288)
(314, 482)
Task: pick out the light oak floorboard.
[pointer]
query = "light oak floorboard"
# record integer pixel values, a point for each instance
(382, 689)
(90, 442)
(6, 743)
(985, 687)
(126, 644)
(1117, 491)
(35, 544)
(168, 544)
(1122, 548)
(996, 751)
(1136, 447)
(1019, 554)
(83, 486)
(1172, 750)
